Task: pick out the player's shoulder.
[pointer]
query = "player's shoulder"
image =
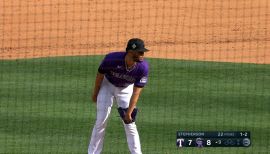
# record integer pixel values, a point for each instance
(144, 65)
(115, 54)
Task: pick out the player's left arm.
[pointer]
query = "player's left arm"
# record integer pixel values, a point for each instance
(133, 101)
(138, 86)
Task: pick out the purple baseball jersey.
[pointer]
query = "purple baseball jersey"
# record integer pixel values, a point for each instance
(114, 68)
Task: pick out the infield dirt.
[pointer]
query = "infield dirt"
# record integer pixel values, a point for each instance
(212, 30)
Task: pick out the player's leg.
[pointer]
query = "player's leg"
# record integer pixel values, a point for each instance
(104, 105)
(123, 96)
(133, 139)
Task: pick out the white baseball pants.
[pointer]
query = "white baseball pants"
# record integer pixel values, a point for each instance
(107, 94)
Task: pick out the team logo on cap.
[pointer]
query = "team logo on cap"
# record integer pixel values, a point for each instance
(134, 46)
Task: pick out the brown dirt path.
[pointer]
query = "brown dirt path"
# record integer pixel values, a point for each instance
(212, 30)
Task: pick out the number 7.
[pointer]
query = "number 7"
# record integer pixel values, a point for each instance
(190, 141)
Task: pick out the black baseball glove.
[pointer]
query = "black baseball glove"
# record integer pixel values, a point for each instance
(123, 111)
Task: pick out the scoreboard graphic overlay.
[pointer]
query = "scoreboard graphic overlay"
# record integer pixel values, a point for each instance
(213, 139)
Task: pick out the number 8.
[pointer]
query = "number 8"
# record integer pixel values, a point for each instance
(208, 142)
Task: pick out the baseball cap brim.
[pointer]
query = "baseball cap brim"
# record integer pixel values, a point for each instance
(142, 50)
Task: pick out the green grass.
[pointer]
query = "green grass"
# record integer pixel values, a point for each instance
(45, 105)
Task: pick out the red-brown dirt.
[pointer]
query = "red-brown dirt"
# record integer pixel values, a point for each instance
(207, 30)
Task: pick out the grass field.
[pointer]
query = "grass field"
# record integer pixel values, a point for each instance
(45, 105)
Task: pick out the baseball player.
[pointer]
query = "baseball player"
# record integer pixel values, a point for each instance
(121, 77)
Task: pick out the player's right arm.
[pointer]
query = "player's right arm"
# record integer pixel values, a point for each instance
(103, 68)
(99, 79)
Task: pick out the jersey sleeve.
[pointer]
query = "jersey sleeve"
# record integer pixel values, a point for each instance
(104, 65)
(143, 78)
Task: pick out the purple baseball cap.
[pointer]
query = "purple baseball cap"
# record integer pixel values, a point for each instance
(136, 44)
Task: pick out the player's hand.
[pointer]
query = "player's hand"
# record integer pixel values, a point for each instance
(94, 98)
(128, 119)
